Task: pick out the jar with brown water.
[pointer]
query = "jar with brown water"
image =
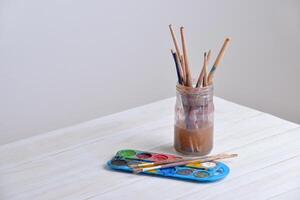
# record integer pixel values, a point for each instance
(194, 120)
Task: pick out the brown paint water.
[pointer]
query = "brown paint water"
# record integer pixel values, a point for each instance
(193, 141)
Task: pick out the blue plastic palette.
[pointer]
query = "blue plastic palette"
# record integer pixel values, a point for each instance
(191, 172)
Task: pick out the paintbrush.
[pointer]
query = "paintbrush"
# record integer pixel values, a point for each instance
(183, 70)
(205, 72)
(200, 79)
(184, 162)
(185, 58)
(147, 164)
(177, 160)
(175, 41)
(189, 116)
(217, 61)
(178, 70)
(205, 75)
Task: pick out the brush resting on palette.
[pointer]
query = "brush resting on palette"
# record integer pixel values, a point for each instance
(197, 172)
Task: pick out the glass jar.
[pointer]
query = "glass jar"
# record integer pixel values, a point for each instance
(194, 120)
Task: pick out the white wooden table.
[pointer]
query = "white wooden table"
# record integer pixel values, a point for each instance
(70, 163)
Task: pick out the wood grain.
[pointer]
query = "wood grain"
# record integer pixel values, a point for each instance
(70, 163)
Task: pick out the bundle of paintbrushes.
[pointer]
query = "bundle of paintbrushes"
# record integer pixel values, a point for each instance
(182, 63)
(201, 169)
(194, 109)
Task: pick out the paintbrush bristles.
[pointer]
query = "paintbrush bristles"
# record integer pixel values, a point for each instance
(185, 58)
(178, 68)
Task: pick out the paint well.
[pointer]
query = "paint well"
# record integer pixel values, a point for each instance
(119, 162)
(127, 153)
(195, 165)
(205, 165)
(144, 155)
(160, 157)
(184, 171)
(201, 174)
(168, 171)
(133, 162)
(209, 165)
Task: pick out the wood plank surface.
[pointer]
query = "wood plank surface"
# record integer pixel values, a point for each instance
(70, 163)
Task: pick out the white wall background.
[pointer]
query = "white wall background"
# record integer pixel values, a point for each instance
(63, 62)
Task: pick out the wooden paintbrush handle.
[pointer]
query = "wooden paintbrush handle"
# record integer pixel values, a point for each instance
(200, 79)
(185, 162)
(217, 61)
(205, 71)
(178, 54)
(183, 70)
(185, 58)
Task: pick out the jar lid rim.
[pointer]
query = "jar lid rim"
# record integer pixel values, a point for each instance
(183, 88)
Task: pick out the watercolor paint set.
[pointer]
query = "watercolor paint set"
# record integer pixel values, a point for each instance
(128, 159)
